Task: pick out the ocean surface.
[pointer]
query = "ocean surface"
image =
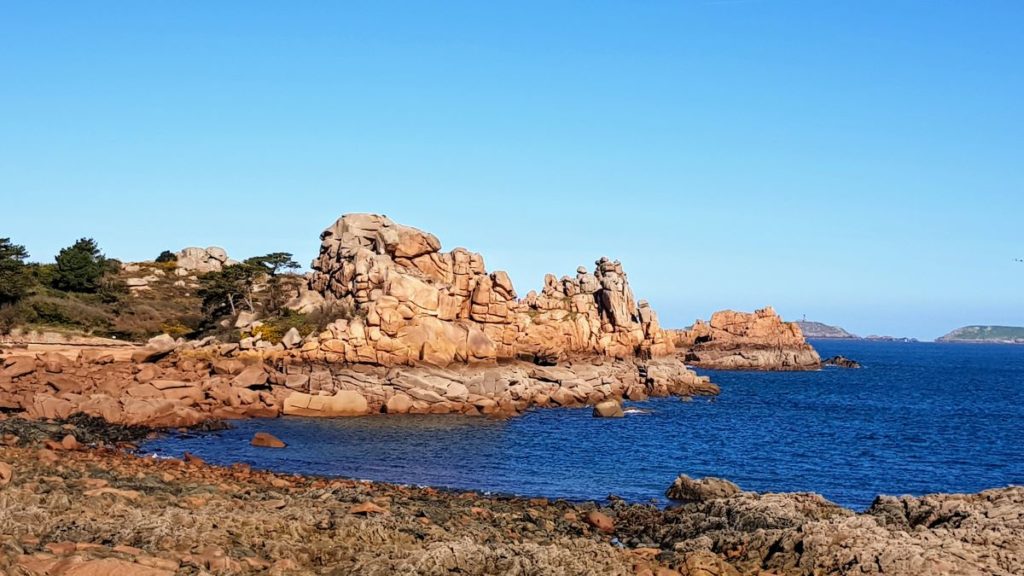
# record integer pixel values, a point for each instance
(917, 418)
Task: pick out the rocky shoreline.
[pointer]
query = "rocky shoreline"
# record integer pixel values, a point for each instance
(75, 501)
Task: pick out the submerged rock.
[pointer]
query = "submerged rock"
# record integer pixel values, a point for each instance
(266, 440)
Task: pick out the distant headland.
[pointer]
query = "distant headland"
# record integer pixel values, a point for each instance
(820, 330)
(986, 335)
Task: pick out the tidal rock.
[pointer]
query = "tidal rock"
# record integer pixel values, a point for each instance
(841, 362)
(266, 440)
(608, 409)
(686, 489)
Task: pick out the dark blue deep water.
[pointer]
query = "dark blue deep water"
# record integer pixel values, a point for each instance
(918, 418)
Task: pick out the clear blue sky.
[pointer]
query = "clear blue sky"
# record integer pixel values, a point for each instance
(860, 162)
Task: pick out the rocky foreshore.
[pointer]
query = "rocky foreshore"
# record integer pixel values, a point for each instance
(73, 504)
(158, 388)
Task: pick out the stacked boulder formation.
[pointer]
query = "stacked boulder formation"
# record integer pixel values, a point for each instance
(744, 341)
(191, 261)
(409, 303)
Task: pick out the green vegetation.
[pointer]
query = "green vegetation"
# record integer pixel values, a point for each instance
(83, 291)
(14, 278)
(81, 267)
(226, 291)
(985, 334)
(166, 256)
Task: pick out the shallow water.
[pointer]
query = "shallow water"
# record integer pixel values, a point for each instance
(918, 418)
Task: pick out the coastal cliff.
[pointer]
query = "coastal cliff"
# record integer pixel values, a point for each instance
(747, 341)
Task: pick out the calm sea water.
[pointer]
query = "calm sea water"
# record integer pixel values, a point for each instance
(918, 418)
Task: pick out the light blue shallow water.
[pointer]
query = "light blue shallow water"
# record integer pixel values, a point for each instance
(917, 418)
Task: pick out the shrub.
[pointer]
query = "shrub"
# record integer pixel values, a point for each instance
(67, 312)
(175, 328)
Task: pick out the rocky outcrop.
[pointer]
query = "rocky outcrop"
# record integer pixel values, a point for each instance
(744, 341)
(408, 303)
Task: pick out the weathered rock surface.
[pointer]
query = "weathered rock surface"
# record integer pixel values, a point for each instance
(410, 303)
(744, 341)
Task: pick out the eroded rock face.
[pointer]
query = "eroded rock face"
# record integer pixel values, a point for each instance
(410, 303)
(745, 341)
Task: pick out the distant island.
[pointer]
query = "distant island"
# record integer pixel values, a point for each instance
(986, 335)
(821, 330)
(824, 331)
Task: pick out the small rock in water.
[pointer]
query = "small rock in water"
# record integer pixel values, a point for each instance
(266, 440)
(608, 409)
(841, 362)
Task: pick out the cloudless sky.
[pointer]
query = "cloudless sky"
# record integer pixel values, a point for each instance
(860, 162)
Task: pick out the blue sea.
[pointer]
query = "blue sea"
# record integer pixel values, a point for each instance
(917, 418)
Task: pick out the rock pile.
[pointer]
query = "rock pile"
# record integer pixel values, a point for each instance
(410, 303)
(743, 341)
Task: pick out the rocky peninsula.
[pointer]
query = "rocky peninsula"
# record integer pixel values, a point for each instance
(413, 330)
